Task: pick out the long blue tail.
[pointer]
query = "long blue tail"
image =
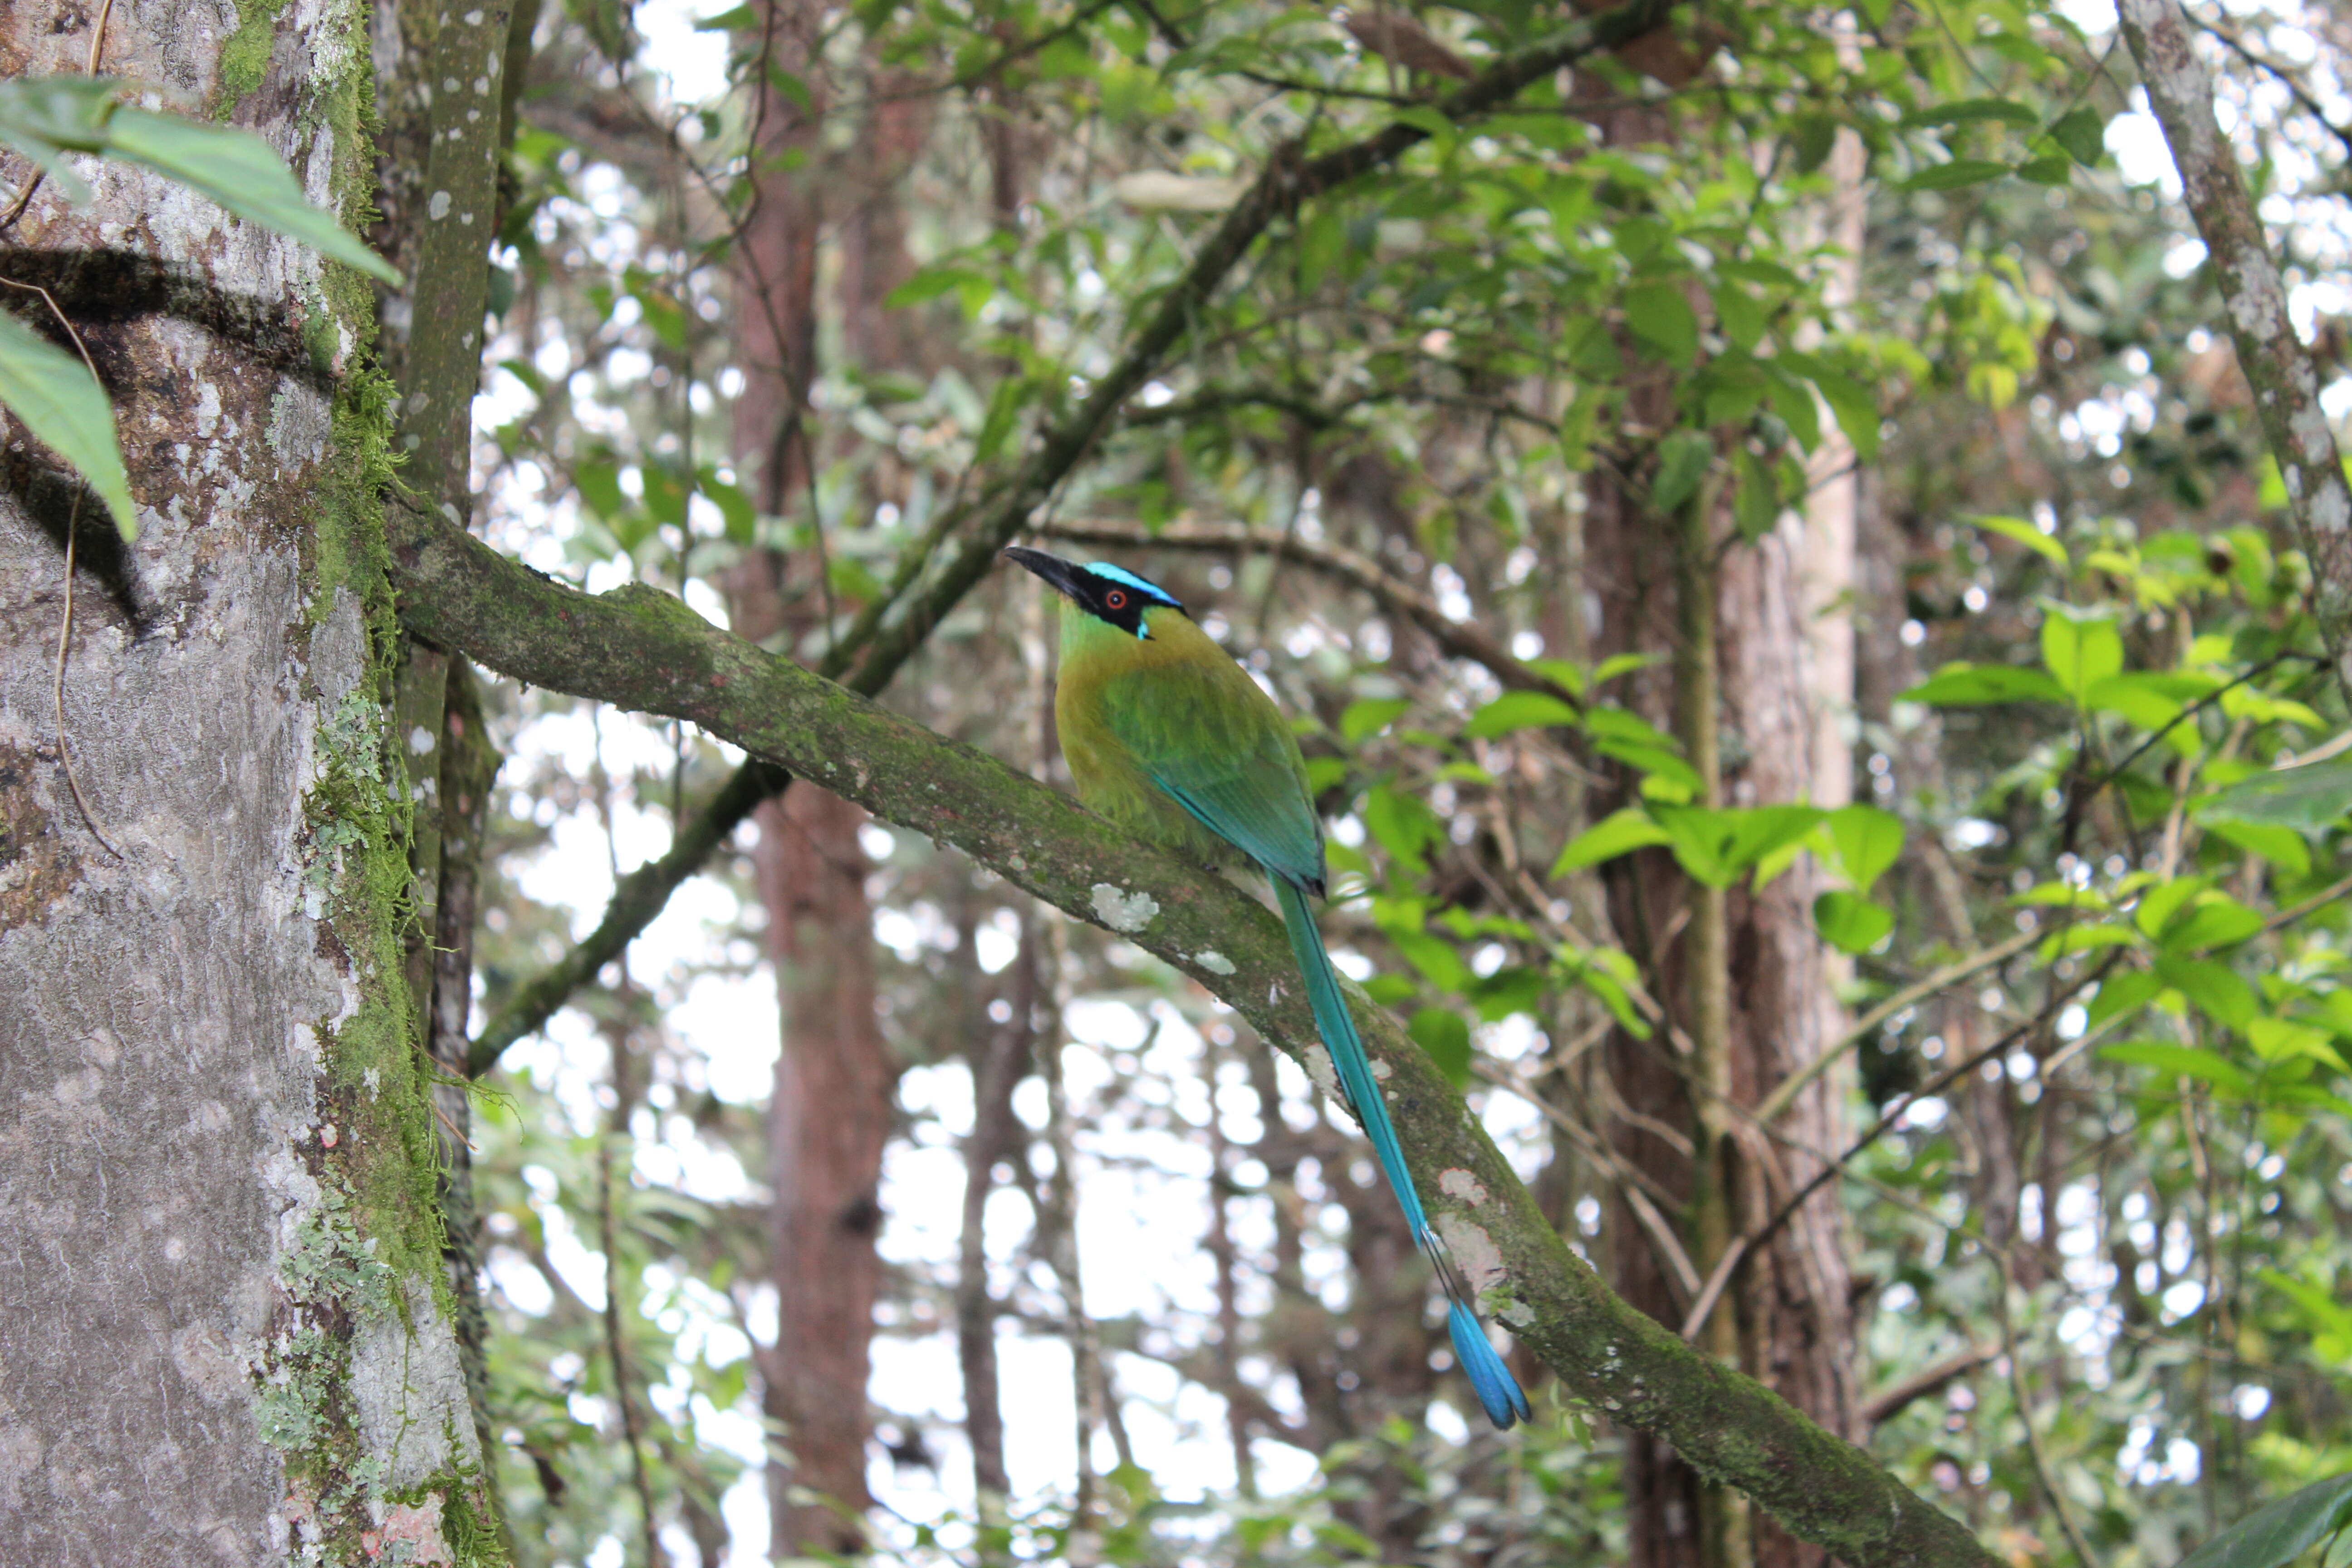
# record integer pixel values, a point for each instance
(1498, 1390)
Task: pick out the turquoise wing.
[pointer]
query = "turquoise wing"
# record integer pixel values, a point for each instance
(1217, 744)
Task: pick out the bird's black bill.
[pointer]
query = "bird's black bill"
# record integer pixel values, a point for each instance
(1061, 573)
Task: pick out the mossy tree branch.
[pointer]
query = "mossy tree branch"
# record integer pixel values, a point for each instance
(890, 629)
(2277, 366)
(641, 649)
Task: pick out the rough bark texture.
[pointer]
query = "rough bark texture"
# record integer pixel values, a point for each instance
(1794, 1329)
(829, 1114)
(827, 1120)
(227, 1333)
(640, 648)
(1783, 670)
(2277, 366)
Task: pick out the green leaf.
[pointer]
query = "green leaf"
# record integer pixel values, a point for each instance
(1715, 844)
(1683, 459)
(2160, 903)
(1403, 825)
(44, 117)
(1868, 841)
(2123, 994)
(1662, 316)
(1426, 119)
(1658, 766)
(2282, 1039)
(2217, 921)
(1955, 175)
(2064, 895)
(2047, 171)
(598, 481)
(1613, 723)
(665, 493)
(1609, 974)
(1756, 498)
(1978, 685)
(247, 177)
(1369, 716)
(1619, 833)
(2309, 798)
(1003, 413)
(1618, 664)
(1435, 957)
(733, 504)
(2281, 847)
(2079, 647)
(1850, 923)
(928, 284)
(1742, 317)
(2025, 533)
(2082, 938)
(2219, 991)
(63, 405)
(2083, 133)
(1517, 711)
(2181, 1061)
(2144, 700)
(1446, 1036)
(2330, 1319)
(1972, 112)
(1568, 675)
(1855, 407)
(2274, 1536)
(1811, 137)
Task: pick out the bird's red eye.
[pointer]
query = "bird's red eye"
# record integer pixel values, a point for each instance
(1116, 599)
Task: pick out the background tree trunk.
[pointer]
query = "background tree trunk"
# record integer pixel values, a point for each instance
(831, 1110)
(1783, 663)
(228, 1336)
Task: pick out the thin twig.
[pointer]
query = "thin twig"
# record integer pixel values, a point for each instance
(1890, 1402)
(65, 626)
(2023, 1398)
(1716, 1281)
(58, 686)
(2319, 901)
(1785, 1093)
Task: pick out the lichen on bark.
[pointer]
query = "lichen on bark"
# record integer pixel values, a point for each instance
(2278, 367)
(215, 1130)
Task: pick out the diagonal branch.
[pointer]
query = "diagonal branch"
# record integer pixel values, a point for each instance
(637, 900)
(639, 648)
(2278, 367)
(889, 630)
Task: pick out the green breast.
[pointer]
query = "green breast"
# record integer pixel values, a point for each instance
(1143, 720)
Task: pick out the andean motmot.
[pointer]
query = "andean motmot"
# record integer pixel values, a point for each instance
(1171, 739)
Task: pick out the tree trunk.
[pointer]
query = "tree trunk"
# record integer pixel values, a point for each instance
(1782, 663)
(229, 1333)
(830, 1112)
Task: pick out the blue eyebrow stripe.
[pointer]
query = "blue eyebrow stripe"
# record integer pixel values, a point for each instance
(1121, 574)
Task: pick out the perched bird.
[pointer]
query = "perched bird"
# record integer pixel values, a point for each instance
(1168, 737)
